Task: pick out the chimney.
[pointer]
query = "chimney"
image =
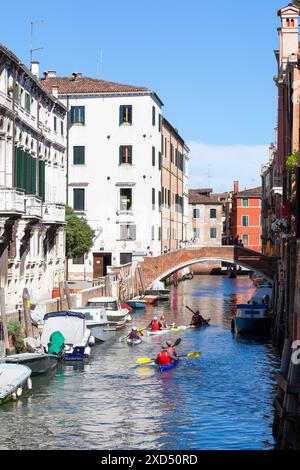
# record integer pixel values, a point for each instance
(76, 75)
(35, 68)
(49, 74)
(55, 91)
(235, 187)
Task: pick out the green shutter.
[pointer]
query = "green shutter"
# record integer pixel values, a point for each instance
(42, 179)
(28, 173)
(18, 167)
(33, 176)
(24, 170)
(121, 114)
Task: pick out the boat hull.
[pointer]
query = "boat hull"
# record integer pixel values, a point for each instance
(37, 363)
(251, 325)
(12, 377)
(102, 333)
(136, 304)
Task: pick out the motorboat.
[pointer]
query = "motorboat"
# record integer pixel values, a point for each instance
(255, 316)
(13, 378)
(134, 303)
(38, 362)
(77, 338)
(97, 322)
(116, 315)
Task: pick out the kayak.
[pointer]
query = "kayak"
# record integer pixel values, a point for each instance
(168, 367)
(134, 342)
(159, 332)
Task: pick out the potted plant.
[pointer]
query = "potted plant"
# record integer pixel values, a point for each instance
(16, 335)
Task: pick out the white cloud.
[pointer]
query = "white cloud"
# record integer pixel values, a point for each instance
(218, 166)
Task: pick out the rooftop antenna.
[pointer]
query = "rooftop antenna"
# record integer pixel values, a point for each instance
(32, 23)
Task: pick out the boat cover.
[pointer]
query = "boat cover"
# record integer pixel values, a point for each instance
(70, 324)
(57, 341)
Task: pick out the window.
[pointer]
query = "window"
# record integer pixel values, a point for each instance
(61, 128)
(213, 213)
(153, 116)
(153, 156)
(153, 198)
(152, 233)
(27, 102)
(78, 260)
(213, 233)
(77, 114)
(171, 152)
(55, 124)
(159, 122)
(78, 199)
(245, 202)
(196, 232)
(125, 199)
(159, 160)
(127, 232)
(196, 214)
(78, 155)
(245, 239)
(245, 220)
(125, 155)
(125, 114)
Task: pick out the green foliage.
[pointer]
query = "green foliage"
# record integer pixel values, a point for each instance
(14, 329)
(79, 236)
(292, 160)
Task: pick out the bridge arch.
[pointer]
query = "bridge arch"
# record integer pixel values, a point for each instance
(160, 267)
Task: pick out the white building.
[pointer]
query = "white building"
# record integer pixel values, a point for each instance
(114, 175)
(32, 182)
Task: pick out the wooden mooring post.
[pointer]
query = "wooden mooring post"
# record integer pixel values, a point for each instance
(27, 316)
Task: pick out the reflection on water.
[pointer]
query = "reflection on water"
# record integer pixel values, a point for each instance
(221, 401)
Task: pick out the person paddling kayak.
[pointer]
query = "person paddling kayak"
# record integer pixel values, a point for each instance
(164, 358)
(170, 349)
(155, 325)
(197, 319)
(163, 322)
(135, 334)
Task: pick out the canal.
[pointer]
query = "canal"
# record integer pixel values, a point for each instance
(222, 400)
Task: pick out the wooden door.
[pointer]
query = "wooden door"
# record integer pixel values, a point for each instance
(98, 266)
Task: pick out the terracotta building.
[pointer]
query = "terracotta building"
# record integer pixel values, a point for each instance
(245, 217)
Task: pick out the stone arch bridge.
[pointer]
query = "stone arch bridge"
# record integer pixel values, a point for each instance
(158, 268)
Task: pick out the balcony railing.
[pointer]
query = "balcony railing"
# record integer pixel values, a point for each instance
(53, 213)
(33, 206)
(12, 201)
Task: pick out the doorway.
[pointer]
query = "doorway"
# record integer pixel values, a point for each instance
(100, 263)
(125, 258)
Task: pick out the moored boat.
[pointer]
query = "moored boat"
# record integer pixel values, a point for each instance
(116, 315)
(66, 334)
(38, 363)
(13, 377)
(252, 318)
(137, 303)
(97, 322)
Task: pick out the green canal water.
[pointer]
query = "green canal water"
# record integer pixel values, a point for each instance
(222, 400)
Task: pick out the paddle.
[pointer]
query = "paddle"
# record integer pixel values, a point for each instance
(146, 360)
(206, 321)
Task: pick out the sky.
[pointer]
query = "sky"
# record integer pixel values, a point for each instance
(211, 63)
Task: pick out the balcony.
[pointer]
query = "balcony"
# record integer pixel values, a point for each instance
(276, 186)
(33, 207)
(11, 201)
(53, 213)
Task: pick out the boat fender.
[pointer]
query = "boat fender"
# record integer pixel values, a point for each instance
(129, 318)
(19, 391)
(29, 383)
(91, 341)
(87, 351)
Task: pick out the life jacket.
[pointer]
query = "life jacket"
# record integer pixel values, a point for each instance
(163, 359)
(155, 326)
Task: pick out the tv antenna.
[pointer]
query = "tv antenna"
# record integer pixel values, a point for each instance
(32, 23)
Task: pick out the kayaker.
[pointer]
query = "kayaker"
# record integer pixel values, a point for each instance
(155, 325)
(170, 349)
(164, 358)
(135, 333)
(197, 319)
(163, 322)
